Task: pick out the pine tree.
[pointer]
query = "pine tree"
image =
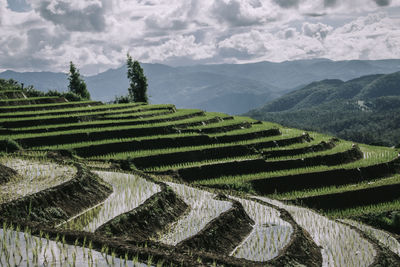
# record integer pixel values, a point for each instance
(76, 84)
(137, 81)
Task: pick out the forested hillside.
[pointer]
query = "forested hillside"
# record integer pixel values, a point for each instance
(365, 109)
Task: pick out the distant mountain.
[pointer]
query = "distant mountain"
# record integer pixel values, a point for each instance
(366, 109)
(229, 88)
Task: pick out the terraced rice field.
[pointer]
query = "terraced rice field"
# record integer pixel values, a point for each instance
(137, 185)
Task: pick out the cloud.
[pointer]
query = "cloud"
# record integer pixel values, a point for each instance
(235, 13)
(318, 30)
(330, 3)
(382, 2)
(84, 16)
(96, 34)
(375, 36)
(287, 3)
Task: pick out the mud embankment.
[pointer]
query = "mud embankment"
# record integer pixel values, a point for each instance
(222, 234)
(260, 165)
(348, 199)
(74, 118)
(323, 146)
(142, 223)
(11, 94)
(165, 142)
(7, 174)
(57, 204)
(325, 178)
(192, 156)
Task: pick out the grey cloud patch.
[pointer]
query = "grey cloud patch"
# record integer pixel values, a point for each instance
(155, 24)
(255, 3)
(230, 52)
(231, 13)
(287, 3)
(382, 2)
(289, 33)
(330, 3)
(27, 62)
(315, 14)
(88, 19)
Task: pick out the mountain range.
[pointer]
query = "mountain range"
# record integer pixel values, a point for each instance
(365, 109)
(229, 88)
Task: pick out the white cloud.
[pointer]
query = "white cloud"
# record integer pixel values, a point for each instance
(318, 30)
(96, 34)
(371, 37)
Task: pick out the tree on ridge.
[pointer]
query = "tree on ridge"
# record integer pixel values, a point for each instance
(76, 84)
(137, 81)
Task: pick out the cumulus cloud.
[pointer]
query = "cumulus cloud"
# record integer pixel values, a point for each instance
(237, 13)
(85, 16)
(318, 30)
(96, 34)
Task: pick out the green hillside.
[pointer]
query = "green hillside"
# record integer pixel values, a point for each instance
(136, 184)
(364, 109)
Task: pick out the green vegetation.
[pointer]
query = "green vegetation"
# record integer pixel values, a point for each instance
(137, 81)
(76, 84)
(228, 155)
(60, 110)
(375, 156)
(9, 145)
(9, 85)
(337, 189)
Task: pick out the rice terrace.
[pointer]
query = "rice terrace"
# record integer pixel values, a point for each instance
(90, 184)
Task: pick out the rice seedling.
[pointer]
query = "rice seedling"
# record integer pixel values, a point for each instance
(143, 153)
(141, 116)
(51, 106)
(99, 164)
(316, 138)
(86, 114)
(270, 233)
(376, 156)
(70, 110)
(161, 168)
(223, 123)
(35, 176)
(383, 237)
(110, 129)
(111, 141)
(341, 245)
(341, 147)
(179, 111)
(23, 249)
(218, 114)
(27, 99)
(203, 208)
(362, 210)
(336, 189)
(254, 128)
(129, 191)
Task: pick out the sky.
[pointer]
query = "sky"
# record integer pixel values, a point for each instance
(45, 35)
